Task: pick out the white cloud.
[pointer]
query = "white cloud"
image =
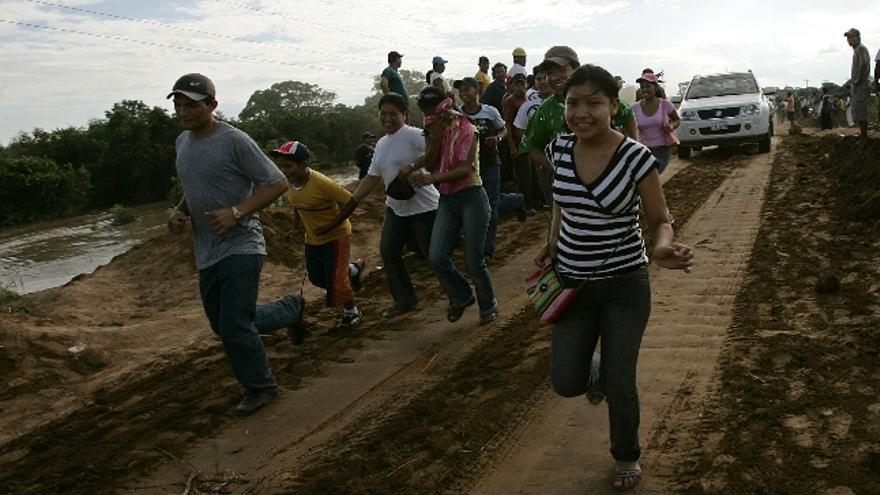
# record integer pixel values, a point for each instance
(54, 78)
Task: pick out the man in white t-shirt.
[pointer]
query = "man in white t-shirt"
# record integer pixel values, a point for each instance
(409, 211)
(519, 63)
(437, 79)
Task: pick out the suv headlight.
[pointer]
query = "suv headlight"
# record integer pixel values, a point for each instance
(690, 115)
(751, 109)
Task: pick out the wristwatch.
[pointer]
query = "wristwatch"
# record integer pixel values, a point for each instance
(237, 213)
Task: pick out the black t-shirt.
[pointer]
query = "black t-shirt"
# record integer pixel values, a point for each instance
(364, 157)
(494, 95)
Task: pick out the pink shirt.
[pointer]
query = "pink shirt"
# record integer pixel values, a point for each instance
(456, 147)
(651, 132)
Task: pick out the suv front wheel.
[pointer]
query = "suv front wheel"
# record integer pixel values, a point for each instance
(764, 144)
(684, 152)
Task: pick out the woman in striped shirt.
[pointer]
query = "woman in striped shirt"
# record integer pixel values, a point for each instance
(601, 179)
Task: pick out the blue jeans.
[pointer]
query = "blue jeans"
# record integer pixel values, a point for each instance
(468, 211)
(616, 309)
(229, 295)
(396, 231)
(491, 177)
(661, 153)
(277, 314)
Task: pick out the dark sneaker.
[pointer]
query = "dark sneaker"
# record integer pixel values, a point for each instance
(396, 310)
(297, 331)
(453, 314)
(350, 320)
(356, 281)
(489, 318)
(255, 400)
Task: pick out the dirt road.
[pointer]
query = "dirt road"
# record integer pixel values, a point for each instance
(414, 405)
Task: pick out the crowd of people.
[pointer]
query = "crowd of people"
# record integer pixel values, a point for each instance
(573, 148)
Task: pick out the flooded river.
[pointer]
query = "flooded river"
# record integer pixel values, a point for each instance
(43, 255)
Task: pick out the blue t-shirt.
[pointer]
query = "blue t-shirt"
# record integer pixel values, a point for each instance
(220, 171)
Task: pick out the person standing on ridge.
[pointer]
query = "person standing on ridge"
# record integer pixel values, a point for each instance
(390, 82)
(859, 81)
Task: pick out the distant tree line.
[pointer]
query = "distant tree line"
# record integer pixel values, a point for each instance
(127, 157)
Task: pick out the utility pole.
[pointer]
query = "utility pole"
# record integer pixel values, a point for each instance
(807, 82)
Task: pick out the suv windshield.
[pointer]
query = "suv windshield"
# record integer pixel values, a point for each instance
(724, 85)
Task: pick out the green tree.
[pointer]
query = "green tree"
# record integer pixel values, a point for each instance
(287, 96)
(37, 188)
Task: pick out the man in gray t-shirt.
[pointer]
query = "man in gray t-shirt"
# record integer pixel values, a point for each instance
(226, 180)
(859, 81)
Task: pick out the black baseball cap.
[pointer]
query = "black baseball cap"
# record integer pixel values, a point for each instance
(393, 55)
(484, 58)
(367, 134)
(194, 86)
(467, 81)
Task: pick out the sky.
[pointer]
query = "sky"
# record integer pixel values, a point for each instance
(66, 62)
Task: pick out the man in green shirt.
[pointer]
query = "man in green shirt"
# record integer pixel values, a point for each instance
(549, 120)
(391, 81)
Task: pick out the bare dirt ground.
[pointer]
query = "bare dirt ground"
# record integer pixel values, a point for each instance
(415, 405)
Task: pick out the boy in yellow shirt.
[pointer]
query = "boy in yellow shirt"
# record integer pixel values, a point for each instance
(316, 200)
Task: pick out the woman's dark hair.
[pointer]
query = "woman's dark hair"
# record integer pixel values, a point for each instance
(595, 75)
(497, 65)
(395, 99)
(429, 98)
(428, 76)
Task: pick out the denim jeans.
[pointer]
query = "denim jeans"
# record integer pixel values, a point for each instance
(396, 231)
(468, 211)
(229, 295)
(277, 314)
(491, 177)
(617, 310)
(661, 153)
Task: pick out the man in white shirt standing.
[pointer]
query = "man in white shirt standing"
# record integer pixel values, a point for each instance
(519, 63)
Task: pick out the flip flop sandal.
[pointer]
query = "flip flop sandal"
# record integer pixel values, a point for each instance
(627, 479)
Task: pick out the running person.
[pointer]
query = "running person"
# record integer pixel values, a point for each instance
(316, 200)
(601, 179)
(405, 217)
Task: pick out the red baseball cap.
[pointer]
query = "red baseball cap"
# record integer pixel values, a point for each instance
(294, 150)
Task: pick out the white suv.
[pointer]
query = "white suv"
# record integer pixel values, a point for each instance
(724, 109)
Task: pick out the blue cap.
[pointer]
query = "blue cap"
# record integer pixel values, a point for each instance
(439, 60)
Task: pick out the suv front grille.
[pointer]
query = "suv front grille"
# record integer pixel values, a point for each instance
(719, 113)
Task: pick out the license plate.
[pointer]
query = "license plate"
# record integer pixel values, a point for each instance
(719, 126)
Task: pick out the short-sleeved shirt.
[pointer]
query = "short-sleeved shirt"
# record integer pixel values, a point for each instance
(547, 122)
(494, 94)
(489, 123)
(651, 132)
(395, 83)
(456, 148)
(512, 104)
(318, 202)
(623, 116)
(220, 171)
(599, 235)
(397, 150)
(526, 112)
(483, 79)
(438, 75)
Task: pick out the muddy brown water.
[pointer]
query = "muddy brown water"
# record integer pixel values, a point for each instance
(50, 254)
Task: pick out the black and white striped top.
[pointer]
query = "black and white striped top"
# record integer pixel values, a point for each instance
(600, 220)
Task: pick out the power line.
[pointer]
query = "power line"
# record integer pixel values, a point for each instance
(184, 48)
(314, 23)
(286, 46)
